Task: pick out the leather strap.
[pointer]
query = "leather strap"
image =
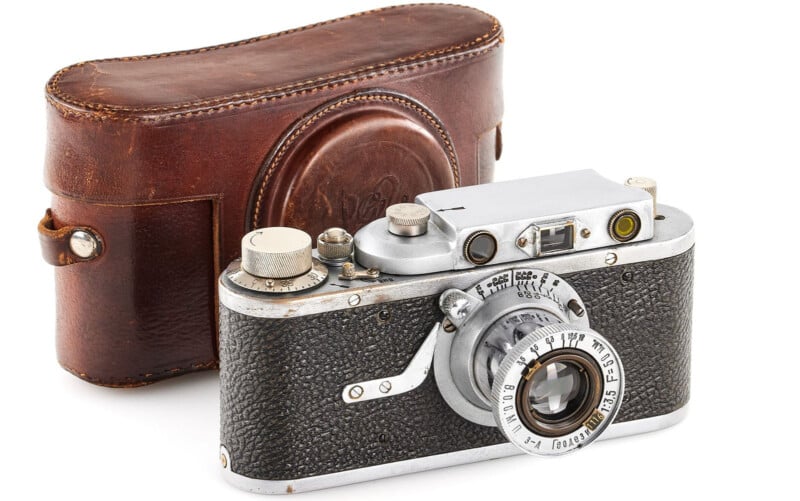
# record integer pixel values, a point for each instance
(56, 248)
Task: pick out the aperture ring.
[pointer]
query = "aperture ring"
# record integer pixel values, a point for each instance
(563, 343)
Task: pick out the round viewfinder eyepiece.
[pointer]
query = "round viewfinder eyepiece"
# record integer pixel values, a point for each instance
(480, 247)
(624, 225)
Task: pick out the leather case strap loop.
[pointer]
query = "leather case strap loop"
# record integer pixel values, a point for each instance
(59, 245)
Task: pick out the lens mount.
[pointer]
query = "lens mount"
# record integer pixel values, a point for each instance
(557, 390)
(517, 356)
(503, 308)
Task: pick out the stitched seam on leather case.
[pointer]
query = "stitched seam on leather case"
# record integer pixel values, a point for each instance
(122, 205)
(149, 377)
(313, 119)
(93, 115)
(54, 88)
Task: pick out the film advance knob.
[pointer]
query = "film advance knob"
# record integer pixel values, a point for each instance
(408, 220)
(646, 184)
(276, 252)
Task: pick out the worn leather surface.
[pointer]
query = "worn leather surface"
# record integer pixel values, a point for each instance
(359, 154)
(282, 415)
(388, 104)
(364, 43)
(139, 311)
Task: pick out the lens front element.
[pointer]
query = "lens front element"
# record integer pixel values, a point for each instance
(560, 392)
(554, 390)
(557, 390)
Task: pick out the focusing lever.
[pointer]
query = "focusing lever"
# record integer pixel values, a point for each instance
(414, 375)
(457, 305)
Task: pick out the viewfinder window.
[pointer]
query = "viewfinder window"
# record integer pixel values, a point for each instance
(557, 238)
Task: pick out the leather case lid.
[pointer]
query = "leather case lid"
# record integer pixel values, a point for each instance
(357, 46)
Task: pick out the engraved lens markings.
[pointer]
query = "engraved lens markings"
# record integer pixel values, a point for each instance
(499, 339)
(601, 416)
(511, 347)
(594, 420)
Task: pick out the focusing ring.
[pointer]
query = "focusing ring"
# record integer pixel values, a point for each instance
(597, 409)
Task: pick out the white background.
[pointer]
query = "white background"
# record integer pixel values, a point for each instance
(704, 96)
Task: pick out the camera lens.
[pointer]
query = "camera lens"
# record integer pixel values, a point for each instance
(499, 339)
(559, 394)
(523, 359)
(480, 247)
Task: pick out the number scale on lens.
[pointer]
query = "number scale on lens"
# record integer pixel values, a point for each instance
(522, 364)
(525, 355)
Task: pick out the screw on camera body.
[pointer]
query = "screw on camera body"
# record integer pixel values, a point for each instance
(356, 392)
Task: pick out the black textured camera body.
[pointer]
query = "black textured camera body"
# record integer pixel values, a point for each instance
(282, 413)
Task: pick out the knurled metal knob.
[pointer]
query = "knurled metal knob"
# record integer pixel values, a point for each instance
(408, 220)
(335, 245)
(646, 184)
(276, 252)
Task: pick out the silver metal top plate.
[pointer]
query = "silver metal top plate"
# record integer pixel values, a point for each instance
(496, 295)
(673, 235)
(533, 198)
(582, 201)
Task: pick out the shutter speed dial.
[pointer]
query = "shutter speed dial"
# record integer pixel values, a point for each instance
(278, 260)
(276, 252)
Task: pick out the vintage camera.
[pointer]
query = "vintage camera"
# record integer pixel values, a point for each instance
(476, 323)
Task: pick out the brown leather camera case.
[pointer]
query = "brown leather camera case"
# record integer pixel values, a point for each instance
(159, 165)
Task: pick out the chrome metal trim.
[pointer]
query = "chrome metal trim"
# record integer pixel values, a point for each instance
(457, 306)
(83, 244)
(508, 380)
(673, 235)
(454, 358)
(425, 463)
(459, 214)
(413, 376)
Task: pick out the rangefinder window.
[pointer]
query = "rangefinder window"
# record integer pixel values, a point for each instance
(480, 247)
(624, 225)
